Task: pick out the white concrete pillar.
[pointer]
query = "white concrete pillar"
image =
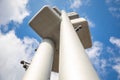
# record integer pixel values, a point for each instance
(74, 63)
(41, 65)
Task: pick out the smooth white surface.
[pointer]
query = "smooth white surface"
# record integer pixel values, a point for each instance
(74, 63)
(41, 64)
(46, 23)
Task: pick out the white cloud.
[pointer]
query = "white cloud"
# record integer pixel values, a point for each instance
(115, 59)
(115, 41)
(31, 43)
(101, 61)
(94, 54)
(76, 4)
(110, 50)
(117, 69)
(113, 7)
(12, 51)
(95, 51)
(13, 10)
(90, 22)
(115, 11)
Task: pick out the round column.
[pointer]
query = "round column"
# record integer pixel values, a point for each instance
(41, 65)
(74, 63)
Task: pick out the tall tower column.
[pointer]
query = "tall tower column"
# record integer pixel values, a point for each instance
(41, 65)
(74, 63)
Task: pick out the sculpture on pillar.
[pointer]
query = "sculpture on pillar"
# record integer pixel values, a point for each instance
(25, 64)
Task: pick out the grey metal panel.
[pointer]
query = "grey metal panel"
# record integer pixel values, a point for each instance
(83, 33)
(72, 15)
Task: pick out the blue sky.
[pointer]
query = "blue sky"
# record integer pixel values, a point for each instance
(18, 40)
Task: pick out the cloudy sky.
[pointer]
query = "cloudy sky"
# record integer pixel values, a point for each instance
(18, 40)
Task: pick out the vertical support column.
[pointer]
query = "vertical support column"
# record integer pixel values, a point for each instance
(74, 63)
(41, 64)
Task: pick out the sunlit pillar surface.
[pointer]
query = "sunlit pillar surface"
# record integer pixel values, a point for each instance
(74, 63)
(41, 64)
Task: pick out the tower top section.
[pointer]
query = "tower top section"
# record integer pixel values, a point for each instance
(46, 23)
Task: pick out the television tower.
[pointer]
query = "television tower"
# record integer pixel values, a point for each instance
(65, 38)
